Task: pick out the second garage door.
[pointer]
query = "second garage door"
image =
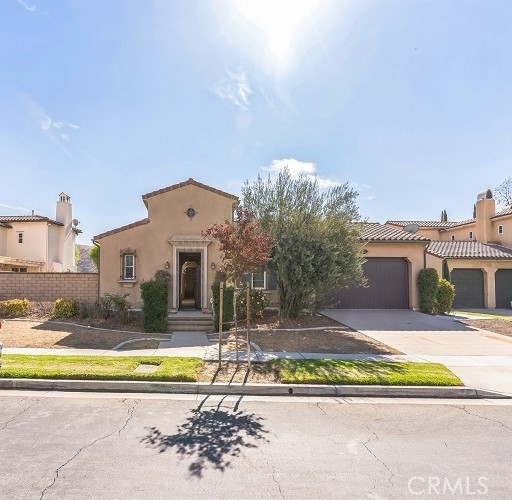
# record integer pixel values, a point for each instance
(469, 288)
(388, 287)
(503, 287)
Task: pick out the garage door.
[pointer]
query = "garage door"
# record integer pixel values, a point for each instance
(388, 287)
(503, 287)
(469, 288)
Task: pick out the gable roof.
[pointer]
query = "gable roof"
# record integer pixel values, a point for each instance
(28, 218)
(431, 224)
(373, 231)
(461, 223)
(468, 250)
(503, 213)
(189, 182)
(122, 228)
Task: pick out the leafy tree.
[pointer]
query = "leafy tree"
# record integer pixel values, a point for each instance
(244, 245)
(503, 193)
(77, 254)
(317, 245)
(94, 253)
(446, 270)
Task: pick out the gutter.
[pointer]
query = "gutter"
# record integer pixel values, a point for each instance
(96, 244)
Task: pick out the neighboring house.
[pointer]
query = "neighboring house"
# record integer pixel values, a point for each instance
(35, 243)
(478, 252)
(169, 239)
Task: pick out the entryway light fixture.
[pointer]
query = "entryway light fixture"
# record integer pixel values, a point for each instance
(213, 266)
(166, 264)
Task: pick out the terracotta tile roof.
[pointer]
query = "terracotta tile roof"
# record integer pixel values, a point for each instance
(502, 213)
(435, 224)
(122, 228)
(373, 231)
(187, 183)
(468, 250)
(461, 223)
(27, 218)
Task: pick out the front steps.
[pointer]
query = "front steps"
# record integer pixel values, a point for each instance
(189, 321)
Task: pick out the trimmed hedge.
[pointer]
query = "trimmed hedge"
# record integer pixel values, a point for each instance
(64, 308)
(257, 301)
(15, 307)
(428, 282)
(154, 309)
(227, 307)
(444, 297)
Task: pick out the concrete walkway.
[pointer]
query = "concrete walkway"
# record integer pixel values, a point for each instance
(479, 358)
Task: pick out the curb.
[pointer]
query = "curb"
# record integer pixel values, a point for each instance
(291, 390)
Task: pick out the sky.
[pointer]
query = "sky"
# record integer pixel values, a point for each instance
(407, 100)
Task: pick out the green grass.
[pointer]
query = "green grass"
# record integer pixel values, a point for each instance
(99, 368)
(486, 315)
(324, 371)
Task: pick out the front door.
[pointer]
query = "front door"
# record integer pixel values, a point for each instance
(189, 280)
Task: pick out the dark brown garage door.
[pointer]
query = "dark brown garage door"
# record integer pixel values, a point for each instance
(503, 287)
(388, 287)
(469, 288)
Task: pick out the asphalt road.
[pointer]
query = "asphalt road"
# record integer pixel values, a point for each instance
(95, 446)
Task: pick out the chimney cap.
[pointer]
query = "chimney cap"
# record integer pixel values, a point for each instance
(486, 194)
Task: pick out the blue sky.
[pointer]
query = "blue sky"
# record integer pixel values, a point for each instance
(408, 100)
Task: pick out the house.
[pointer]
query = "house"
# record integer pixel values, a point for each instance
(478, 253)
(35, 243)
(168, 239)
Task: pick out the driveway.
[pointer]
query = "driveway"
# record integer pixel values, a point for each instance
(479, 358)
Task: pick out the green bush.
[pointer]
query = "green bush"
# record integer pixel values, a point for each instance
(428, 281)
(15, 307)
(64, 308)
(444, 297)
(257, 303)
(120, 305)
(105, 306)
(227, 306)
(154, 309)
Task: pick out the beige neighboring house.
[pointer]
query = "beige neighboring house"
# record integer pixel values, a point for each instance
(478, 253)
(35, 243)
(169, 238)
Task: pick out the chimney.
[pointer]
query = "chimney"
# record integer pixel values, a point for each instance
(485, 209)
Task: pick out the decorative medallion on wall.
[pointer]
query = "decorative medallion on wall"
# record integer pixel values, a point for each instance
(191, 212)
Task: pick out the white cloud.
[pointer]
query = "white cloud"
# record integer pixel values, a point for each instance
(27, 7)
(234, 88)
(298, 168)
(23, 209)
(64, 137)
(47, 123)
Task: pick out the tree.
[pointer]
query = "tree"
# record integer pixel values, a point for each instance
(244, 245)
(503, 193)
(94, 254)
(317, 245)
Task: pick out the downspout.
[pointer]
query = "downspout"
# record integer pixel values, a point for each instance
(96, 244)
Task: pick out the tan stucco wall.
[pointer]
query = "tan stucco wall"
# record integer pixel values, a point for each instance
(505, 238)
(3, 239)
(461, 233)
(168, 219)
(412, 252)
(35, 238)
(489, 267)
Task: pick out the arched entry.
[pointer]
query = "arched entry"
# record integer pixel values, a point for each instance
(189, 280)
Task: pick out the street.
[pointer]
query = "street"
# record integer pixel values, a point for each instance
(138, 446)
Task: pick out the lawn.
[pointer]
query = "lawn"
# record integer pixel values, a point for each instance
(324, 371)
(99, 368)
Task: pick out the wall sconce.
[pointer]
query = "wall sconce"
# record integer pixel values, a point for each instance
(213, 266)
(166, 264)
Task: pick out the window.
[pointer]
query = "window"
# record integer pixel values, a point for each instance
(453, 237)
(259, 279)
(500, 229)
(128, 266)
(470, 235)
(20, 237)
(19, 269)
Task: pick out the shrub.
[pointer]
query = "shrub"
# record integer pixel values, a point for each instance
(446, 271)
(15, 307)
(163, 276)
(105, 306)
(120, 305)
(227, 306)
(428, 281)
(86, 310)
(257, 303)
(64, 308)
(444, 297)
(154, 309)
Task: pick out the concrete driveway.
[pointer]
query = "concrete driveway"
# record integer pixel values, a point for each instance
(479, 358)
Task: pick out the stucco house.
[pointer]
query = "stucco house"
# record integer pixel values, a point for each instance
(36, 243)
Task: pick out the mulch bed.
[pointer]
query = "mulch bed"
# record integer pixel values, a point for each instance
(502, 326)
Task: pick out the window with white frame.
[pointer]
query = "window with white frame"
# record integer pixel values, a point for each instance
(128, 263)
(259, 279)
(500, 229)
(470, 235)
(20, 237)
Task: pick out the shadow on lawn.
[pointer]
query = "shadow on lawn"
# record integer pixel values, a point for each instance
(210, 437)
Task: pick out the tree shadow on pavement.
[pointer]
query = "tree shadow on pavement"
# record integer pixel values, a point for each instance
(211, 437)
